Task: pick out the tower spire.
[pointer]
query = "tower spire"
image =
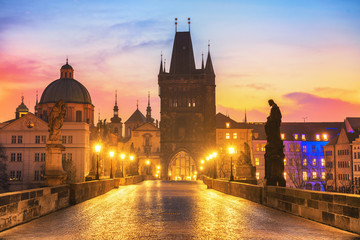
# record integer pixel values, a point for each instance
(202, 60)
(67, 60)
(137, 104)
(148, 111)
(116, 118)
(245, 120)
(189, 23)
(36, 103)
(165, 65)
(176, 24)
(161, 64)
(209, 67)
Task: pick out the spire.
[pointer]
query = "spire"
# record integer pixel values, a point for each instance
(189, 23)
(164, 65)
(67, 60)
(148, 111)
(202, 60)
(209, 67)
(137, 104)
(161, 65)
(36, 103)
(245, 120)
(116, 118)
(175, 24)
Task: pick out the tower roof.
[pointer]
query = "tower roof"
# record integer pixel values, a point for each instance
(209, 66)
(137, 116)
(182, 59)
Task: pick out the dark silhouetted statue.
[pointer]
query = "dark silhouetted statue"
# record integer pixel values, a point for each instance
(274, 153)
(56, 120)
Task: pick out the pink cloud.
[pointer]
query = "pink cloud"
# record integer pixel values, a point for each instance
(317, 108)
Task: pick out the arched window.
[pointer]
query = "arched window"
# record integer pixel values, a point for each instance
(116, 130)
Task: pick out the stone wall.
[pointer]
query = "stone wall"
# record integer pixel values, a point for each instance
(23, 206)
(335, 209)
(80, 192)
(128, 180)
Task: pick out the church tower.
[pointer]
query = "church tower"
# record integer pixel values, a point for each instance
(188, 110)
(116, 124)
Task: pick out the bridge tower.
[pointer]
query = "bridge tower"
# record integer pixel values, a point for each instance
(187, 97)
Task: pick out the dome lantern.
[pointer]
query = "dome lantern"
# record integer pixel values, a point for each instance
(66, 71)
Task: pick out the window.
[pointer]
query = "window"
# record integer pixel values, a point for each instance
(12, 175)
(13, 139)
(325, 137)
(313, 148)
(323, 175)
(304, 162)
(284, 161)
(43, 157)
(314, 175)
(69, 156)
(19, 157)
(296, 136)
(291, 147)
(317, 136)
(322, 162)
(227, 125)
(263, 147)
(116, 130)
(36, 175)
(37, 139)
(328, 153)
(43, 139)
(70, 139)
(329, 176)
(63, 139)
(304, 148)
(282, 136)
(227, 135)
(78, 116)
(257, 147)
(193, 102)
(37, 157)
(304, 176)
(234, 135)
(20, 138)
(314, 162)
(257, 161)
(12, 157)
(257, 175)
(18, 175)
(298, 147)
(64, 157)
(285, 175)
(303, 137)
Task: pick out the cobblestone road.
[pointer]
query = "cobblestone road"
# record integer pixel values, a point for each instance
(171, 210)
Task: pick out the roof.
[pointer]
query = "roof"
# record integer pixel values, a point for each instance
(352, 124)
(67, 89)
(66, 66)
(182, 59)
(137, 116)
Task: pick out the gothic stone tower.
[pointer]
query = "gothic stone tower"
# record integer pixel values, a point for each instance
(187, 111)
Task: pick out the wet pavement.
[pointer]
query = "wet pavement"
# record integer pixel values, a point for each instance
(171, 210)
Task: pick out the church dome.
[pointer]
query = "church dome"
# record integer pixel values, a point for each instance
(66, 88)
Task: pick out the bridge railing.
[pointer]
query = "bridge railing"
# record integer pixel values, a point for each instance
(335, 209)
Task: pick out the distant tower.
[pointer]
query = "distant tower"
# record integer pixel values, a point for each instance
(149, 119)
(37, 102)
(245, 119)
(21, 110)
(116, 124)
(188, 111)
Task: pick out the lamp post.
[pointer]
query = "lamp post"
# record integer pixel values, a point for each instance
(97, 150)
(231, 152)
(215, 170)
(132, 164)
(148, 166)
(111, 153)
(122, 156)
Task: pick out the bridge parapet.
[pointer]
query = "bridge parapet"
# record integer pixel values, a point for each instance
(23, 206)
(335, 209)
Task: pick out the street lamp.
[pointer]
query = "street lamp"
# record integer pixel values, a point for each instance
(122, 156)
(214, 154)
(231, 152)
(97, 150)
(111, 153)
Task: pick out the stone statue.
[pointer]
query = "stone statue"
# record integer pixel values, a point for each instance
(274, 153)
(56, 120)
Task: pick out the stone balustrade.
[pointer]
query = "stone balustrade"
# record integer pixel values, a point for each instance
(335, 209)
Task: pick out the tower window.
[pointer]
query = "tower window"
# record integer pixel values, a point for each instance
(78, 116)
(69, 75)
(66, 75)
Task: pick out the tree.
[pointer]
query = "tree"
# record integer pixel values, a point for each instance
(4, 178)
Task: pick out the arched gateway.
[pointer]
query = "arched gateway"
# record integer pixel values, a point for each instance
(182, 167)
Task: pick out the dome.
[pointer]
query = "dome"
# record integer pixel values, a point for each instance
(67, 89)
(66, 66)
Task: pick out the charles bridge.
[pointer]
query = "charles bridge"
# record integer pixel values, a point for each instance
(134, 208)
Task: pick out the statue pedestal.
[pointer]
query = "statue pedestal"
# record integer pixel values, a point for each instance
(246, 174)
(54, 172)
(274, 165)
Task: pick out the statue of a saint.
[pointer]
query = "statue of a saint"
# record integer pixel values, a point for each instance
(56, 120)
(272, 126)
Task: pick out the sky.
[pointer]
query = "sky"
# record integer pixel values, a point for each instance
(304, 54)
